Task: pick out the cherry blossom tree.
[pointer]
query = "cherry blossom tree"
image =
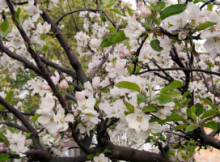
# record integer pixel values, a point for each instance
(124, 83)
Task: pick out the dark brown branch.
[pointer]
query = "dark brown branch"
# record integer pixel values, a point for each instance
(80, 74)
(89, 10)
(25, 122)
(133, 155)
(138, 53)
(23, 60)
(58, 67)
(209, 139)
(36, 57)
(13, 125)
(82, 158)
(24, 113)
(180, 69)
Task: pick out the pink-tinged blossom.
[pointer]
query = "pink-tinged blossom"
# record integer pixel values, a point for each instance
(144, 10)
(64, 84)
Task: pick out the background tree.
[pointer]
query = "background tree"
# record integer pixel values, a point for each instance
(110, 77)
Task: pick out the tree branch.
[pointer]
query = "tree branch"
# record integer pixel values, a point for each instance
(13, 125)
(58, 67)
(80, 74)
(104, 59)
(23, 60)
(25, 122)
(209, 139)
(36, 57)
(180, 69)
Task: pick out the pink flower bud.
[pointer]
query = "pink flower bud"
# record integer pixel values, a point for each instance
(121, 56)
(69, 134)
(64, 84)
(145, 11)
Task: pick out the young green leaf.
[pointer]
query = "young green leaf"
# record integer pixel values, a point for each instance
(175, 117)
(191, 128)
(160, 5)
(173, 85)
(205, 25)
(179, 127)
(209, 102)
(128, 85)
(129, 107)
(199, 109)
(209, 113)
(149, 108)
(141, 98)
(4, 157)
(172, 10)
(191, 112)
(213, 125)
(155, 45)
(113, 39)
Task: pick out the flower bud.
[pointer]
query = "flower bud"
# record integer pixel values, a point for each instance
(64, 84)
(182, 35)
(145, 11)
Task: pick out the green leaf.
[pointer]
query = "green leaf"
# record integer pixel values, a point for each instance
(210, 6)
(191, 113)
(209, 113)
(102, 16)
(213, 125)
(35, 117)
(149, 108)
(4, 157)
(113, 39)
(141, 98)
(4, 26)
(108, 5)
(173, 85)
(172, 10)
(155, 45)
(205, 25)
(117, 11)
(130, 68)
(105, 90)
(130, 11)
(106, 151)
(191, 128)
(199, 109)
(179, 127)
(128, 85)
(17, 16)
(9, 96)
(164, 99)
(129, 107)
(209, 102)
(4, 139)
(175, 117)
(90, 156)
(160, 5)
